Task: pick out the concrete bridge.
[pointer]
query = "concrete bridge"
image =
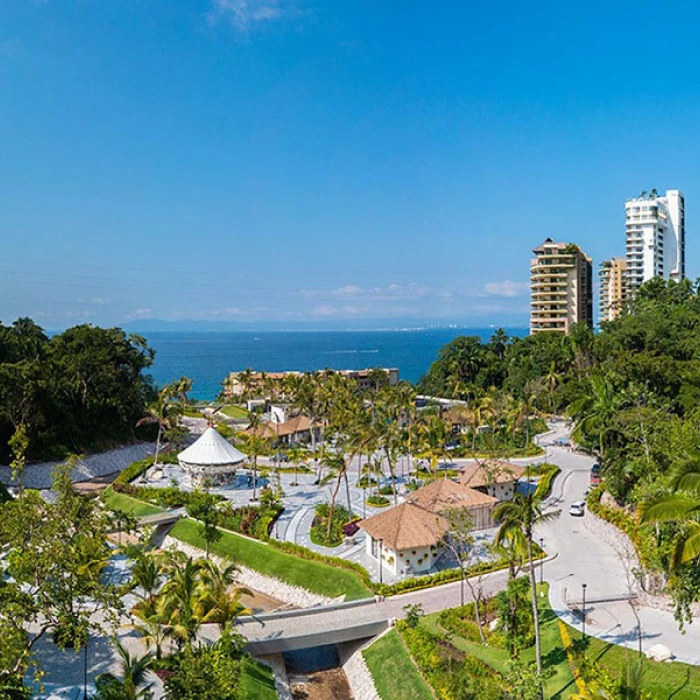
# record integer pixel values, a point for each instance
(272, 633)
(275, 633)
(168, 517)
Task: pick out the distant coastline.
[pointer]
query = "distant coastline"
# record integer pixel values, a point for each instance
(208, 356)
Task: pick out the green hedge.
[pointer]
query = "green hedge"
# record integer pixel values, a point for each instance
(138, 468)
(166, 497)
(304, 553)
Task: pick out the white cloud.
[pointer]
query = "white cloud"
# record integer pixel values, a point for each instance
(506, 289)
(243, 15)
(325, 310)
(140, 313)
(348, 290)
(100, 301)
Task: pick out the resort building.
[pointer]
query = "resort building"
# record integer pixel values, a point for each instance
(561, 287)
(444, 495)
(238, 384)
(494, 477)
(407, 538)
(292, 431)
(613, 288)
(655, 230)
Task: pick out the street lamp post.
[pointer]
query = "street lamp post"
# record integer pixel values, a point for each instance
(364, 499)
(85, 669)
(542, 562)
(583, 588)
(381, 542)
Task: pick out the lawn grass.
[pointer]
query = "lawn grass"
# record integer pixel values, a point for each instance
(235, 412)
(663, 681)
(561, 683)
(314, 576)
(132, 506)
(257, 681)
(393, 672)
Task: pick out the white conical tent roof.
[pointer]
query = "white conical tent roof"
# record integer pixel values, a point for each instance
(210, 450)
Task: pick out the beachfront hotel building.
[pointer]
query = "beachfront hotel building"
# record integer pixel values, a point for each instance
(612, 275)
(249, 382)
(655, 229)
(561, 287)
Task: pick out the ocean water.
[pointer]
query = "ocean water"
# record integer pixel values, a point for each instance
(208, 357)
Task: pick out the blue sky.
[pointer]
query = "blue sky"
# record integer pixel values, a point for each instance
(328, 163)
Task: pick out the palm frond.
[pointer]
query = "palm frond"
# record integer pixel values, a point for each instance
(675, 507)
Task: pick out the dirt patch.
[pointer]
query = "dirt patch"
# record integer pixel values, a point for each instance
(321, 685)
(96, 485)
(260, 602)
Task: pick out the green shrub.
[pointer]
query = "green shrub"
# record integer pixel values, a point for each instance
(450, 672)
(378, 501)
(166, 497)
(386, 490)
(319, 526)
(641, 536)
(462, 622)
(138, 468)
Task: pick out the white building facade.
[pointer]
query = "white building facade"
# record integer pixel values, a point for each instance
(655, 230)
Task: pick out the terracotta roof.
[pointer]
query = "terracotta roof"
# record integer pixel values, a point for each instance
(492, 471)
(443, 494)
(406, 526)
(298, 424)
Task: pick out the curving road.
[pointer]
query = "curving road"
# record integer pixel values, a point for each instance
(590, 551)
(580, 550)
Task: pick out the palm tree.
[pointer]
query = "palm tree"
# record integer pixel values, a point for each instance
(517, 521)
(151, 624)
(134, 671)
(298, 456)
(255, 445)
(552, 379)
(434, 436)
(180, 596)
(481, 410)
(336, 463)
(594, 413)
(166, 412)
(682, 506)
(216, 603)
(146, 573)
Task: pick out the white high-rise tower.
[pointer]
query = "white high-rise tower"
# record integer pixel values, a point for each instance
(655, 228)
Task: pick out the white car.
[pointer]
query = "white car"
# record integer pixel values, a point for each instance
(578, 508)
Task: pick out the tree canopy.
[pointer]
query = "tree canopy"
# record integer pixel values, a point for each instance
(82, 389)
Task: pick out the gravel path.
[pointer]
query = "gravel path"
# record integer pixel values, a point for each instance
(38, 476)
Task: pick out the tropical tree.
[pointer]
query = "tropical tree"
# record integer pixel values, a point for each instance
(594, 413)
(203, 508)
(298, 456)
(682, 506)
(217, 603)
(165, 412)
(130, 685)
(55, 558)
(518, 519)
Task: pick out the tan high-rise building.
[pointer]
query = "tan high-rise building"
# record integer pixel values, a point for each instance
(613, 288)
(561, 287)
